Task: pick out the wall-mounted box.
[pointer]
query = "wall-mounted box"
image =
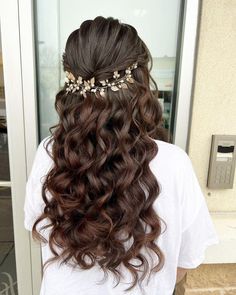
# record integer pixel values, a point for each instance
(222, 162)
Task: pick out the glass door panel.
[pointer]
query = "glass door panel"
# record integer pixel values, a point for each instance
(8, 282)
(157, 22)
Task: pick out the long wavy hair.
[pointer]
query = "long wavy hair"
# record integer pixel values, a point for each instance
(101, 186)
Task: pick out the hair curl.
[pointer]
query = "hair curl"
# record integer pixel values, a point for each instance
(101, 149)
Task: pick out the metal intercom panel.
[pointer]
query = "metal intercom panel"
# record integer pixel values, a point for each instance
(222, 161)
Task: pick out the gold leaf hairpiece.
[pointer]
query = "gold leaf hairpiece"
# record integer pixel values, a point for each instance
(89, 85)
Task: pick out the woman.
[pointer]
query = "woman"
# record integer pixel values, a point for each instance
(116, 207)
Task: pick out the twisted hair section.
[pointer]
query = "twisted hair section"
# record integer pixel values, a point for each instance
(100, 192)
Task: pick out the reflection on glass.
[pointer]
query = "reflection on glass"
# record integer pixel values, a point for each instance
(156, 22)
(8, 282)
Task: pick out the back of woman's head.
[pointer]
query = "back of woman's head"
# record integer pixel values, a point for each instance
(101, 187)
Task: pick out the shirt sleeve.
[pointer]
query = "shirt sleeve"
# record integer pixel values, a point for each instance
(34, 204)
(198, 231)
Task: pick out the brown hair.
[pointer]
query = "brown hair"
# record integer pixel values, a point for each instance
(101, 185)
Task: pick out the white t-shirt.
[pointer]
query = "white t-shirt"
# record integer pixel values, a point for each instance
(181, 204)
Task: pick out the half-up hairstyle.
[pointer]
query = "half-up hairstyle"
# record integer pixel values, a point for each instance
(101, 188)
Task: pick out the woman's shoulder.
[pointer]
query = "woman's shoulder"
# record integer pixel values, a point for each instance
(43, 157)
(170, 152)
(45, 147)
(45, 141)
(171, 163)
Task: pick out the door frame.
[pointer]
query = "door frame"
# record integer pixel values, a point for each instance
(186, 72)
(18, 156)
(18, 46)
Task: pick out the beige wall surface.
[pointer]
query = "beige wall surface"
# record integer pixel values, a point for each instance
(214, 95)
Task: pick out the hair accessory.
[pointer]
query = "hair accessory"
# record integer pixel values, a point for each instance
(89, 85)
